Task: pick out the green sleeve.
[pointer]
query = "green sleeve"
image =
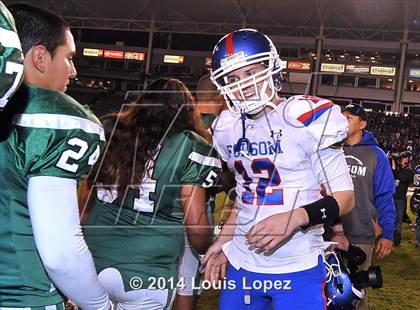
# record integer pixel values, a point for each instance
(202, 167)
(66, 153)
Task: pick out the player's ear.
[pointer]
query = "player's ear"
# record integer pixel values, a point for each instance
(363, 125)
(38, 57)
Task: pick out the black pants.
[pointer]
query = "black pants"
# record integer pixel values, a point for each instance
(400, 205)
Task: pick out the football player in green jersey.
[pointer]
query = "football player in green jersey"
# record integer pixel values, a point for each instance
(11, 57)
(51, 144)
(209, 100)
(48, 52)
(209, 105)
(150, 185)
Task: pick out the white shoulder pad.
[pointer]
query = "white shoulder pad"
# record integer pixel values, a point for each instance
(222, 122)
(220, 128)
(322, 119)
(304, 109)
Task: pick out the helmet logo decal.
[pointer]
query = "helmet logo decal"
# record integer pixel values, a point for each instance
(232, 58)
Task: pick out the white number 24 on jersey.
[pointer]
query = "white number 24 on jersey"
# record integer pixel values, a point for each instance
(75, 156)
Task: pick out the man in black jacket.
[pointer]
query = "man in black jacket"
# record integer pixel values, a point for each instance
(403, 176)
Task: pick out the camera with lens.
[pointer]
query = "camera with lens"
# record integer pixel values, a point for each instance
(415, 203)
(395, 156)
(361, 279)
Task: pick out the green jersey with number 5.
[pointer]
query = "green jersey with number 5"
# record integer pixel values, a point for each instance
(52, 135)
(142, 234)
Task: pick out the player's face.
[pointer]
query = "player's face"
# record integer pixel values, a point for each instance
(217, 104)
(243, 73)
(405, 161)
(356, 124)
(60, 68)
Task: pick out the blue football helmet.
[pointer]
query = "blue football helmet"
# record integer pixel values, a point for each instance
(239, 49)
(340, 292)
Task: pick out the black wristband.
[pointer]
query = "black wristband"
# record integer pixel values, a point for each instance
(324, 210)
(337, 221)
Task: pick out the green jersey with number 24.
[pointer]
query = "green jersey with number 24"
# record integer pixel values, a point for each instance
(52, 136)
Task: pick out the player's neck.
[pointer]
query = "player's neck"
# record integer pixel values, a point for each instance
(267, 109)
(355, 138)
(213, 109)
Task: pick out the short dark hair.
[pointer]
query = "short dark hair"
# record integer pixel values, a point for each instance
(206, 90)
(37, 26)
(405, 154)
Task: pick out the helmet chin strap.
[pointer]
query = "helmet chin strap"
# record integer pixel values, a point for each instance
(264, 97)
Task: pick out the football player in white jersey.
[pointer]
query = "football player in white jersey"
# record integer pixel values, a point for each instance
(280, 151)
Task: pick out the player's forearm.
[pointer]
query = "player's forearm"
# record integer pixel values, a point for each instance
(229, 226)
(72, 271)
(345, 200)
(331, 169)
(195, 217)
(53, 210)
(326, 210)
(200, 238)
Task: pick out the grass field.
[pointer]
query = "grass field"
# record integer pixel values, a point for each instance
(401, 273)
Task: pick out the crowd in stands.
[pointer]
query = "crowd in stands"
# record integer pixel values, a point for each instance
(396, 133)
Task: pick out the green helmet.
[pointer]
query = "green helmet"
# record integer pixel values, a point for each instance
(11, 56)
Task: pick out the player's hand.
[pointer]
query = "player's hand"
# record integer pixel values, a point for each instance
(71, 305)
(270, 232)
(393, 165)
(214, 249)
(383, 248)
(215, 267)
(342, 242)
(378, 230)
